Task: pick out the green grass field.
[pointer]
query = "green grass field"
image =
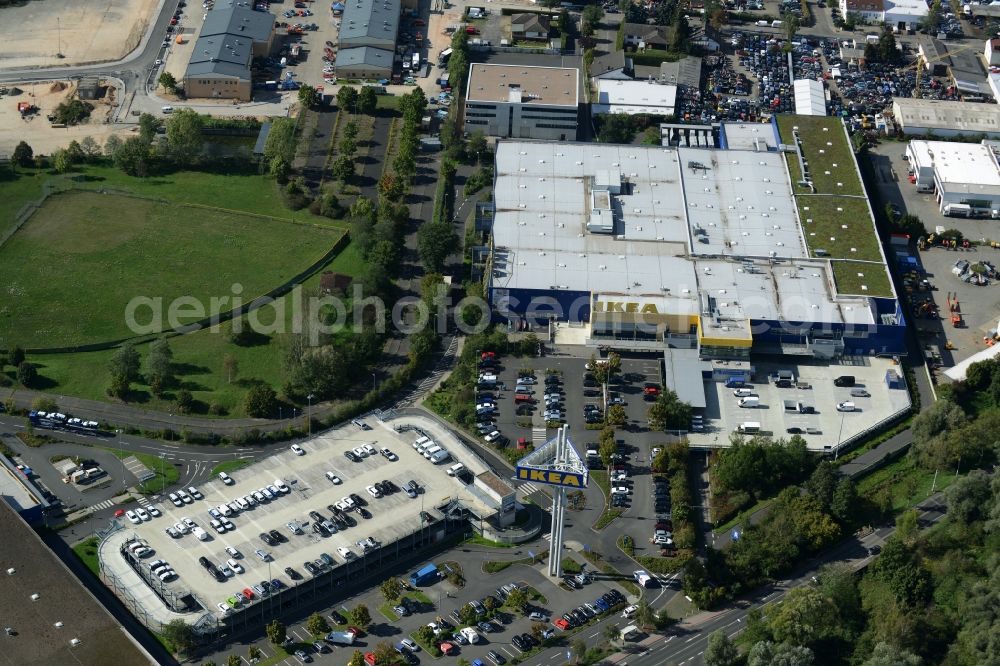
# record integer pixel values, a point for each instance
(824, 134)
(850, 276)
(81, 258)
(829, 216)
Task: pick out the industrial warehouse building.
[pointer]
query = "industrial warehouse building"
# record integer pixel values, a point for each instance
(230, 39)
(691, 248)
(634, 98)
(966, 174)
(521, 102)
(364, 62)
(943, 118)
(368, 32)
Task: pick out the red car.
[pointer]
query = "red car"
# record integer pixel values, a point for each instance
(356, 631)
(651, 389)
(173, 21)
(248, 594)
(561, 624)
(447, 648)
(488, 355)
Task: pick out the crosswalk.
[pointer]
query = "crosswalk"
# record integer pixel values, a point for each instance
(529, 489)
(106, 504)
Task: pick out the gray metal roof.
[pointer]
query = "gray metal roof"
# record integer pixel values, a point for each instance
(368, 56)
(371, 19)
(684, 72)
(238, 21)
(684, 375)
(222, 55)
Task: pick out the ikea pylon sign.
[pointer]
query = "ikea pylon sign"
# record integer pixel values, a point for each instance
(551, 477)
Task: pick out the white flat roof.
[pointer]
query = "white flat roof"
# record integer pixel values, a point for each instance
(908, 8)
(634, 97)
(750, 136)
(944, 114)
(810, 100)
(687, 221)
(968, 167)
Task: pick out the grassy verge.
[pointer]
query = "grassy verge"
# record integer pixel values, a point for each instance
(600, 477)
(165, 473)
(86, 550)
(608, 517)
(482, 541)
(653, 564)
(230, 466)
(431, 649)
(391, 615)
(740, 516)
(571, 566)
(496, 566)
(596, 559)
(901, 485)
(34, 440)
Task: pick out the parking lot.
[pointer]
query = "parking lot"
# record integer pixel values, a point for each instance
(814, 388)
(307, 488)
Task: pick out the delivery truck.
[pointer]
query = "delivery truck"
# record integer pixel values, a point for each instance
(424, 575)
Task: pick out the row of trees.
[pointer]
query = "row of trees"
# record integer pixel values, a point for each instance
(672, 460)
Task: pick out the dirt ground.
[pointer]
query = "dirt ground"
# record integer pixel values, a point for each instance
(85, 31)
(36, 129)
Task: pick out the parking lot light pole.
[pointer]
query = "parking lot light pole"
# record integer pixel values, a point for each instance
(121, 456)
(836, 452)
(309, 417)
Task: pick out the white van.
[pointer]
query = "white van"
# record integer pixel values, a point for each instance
(440, 456)
(455, 469)
(748, 428)
(429, 444)
(420, 441)
(750, 402)
(743, 392)
(201, 534)
(167, 109)
(430, 451)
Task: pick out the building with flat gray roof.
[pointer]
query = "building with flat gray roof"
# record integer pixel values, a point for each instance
(946, 118)
(520, 101)
(229, 40)
(364, 62)
(370, 23)
(663, 246)
(20, 493)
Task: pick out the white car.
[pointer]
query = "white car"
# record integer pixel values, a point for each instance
(226, 479)
(181, 528)
(410, 645)
(347, 502)
(232, 551)
(370, 449)
(175, 499)
(527, 380)
(185, 497)
(226, 571)
(334, 479)
(234, 565)
(630, 611)
(142, 513)
(132, 517)
(619, 476)
(190, 523)
(374, 492)
(389, 455)
(846, 407)
(195, 493)
(282, 487)
(224, 608)
(621, 490)
(359, 452)
(493, 436)
(154, 511)
(298, 450)
(346, 553)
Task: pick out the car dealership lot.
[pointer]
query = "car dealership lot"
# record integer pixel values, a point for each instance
(392, 517)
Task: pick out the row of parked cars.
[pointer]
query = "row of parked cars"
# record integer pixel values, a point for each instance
(585, 612)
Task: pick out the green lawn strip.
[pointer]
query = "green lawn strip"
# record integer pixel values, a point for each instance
(654, 564)
(166, 473)
(122, 248)
(416, 595)
(600, 477)
(816, 132)
(478, 540)
(571, 566)
(387, 612)
(16, 191)
(535, 595)
(595, 559)
(496, 566)
(851, 276)
(906, 483)
(86, 550)
(230, 466)
(608, 517)
(742, 516)
(824, 219)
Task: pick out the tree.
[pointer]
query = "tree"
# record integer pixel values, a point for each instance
(616, 415)
(184, 138)
(180, 635)
(823, 482)
(579, 649)
(111, 145)
(681, 37)
(124, 369)
(766, 653)
(232, 367)
(148, 126)
(435, 242)
(385, 653)
(159, 362)
(17, 356)
(348, 146)
(615, 128)
(361, 616)
(317, 625)
(721, 651)
(491, 603)
(185, 401)
(668, 412)
(276, 632)
(644, 615)
(27, 373)
(969, 497)
(468, 614)
(591, 17)
(940, 416)
(517, 599)
(477, 145)
(350, 130)
(260, 401)
(61, 161)
(790, 23)
(253, 654)
(23, 155)
(71, 112)
(89, 148)
(805, 617)
(367, 100)
(308, 96)
(357, 659)
(347, 98)
(132, 157)
(610, 631)
(167, 82)
(343, 169)
(889, 655)
(391, 589)
(845, 500)
(234, 660)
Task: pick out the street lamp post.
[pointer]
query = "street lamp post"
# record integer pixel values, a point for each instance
(374, 384)
(121, 456)
(309, 418)
(836, 452)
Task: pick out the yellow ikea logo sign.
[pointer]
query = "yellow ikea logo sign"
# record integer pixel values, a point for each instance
(551, 478)
(625, 306)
